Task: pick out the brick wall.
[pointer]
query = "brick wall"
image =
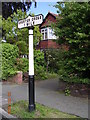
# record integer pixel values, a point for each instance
(44, 44)
(48, 20)
(16, 78)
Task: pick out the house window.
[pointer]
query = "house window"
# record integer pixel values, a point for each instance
(44, 33)
(51, 34)
(43, 36)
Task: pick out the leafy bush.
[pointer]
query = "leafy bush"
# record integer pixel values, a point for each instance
(59, 63)
(67, 72)
(73, 79)
(72, 29)
(23, 49)
(52, 75)
(39, 57)
(39, 62)
(40, 73)
(22, 64)
(9, 55)
(53, 57)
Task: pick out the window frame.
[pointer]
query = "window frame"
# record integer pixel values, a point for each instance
(44, 32)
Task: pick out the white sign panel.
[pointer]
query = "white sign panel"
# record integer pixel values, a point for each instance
(30, 21)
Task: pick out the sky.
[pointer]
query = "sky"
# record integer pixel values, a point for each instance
(43, 8)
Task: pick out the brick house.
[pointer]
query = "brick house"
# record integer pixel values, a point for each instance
(48, 39)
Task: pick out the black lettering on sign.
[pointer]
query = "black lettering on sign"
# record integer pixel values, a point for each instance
(36, 18)
(21, 22)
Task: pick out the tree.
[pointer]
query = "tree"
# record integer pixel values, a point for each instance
(11, 31)
(19, 36)
(12, 7)
(73, 29)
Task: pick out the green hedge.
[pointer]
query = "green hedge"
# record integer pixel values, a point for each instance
(22, 64)
(39, 62)
(67, 73)
(9, 55)
(39, 65)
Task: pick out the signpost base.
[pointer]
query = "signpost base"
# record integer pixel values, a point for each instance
(31, 93)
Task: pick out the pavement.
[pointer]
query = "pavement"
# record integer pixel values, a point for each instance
(46, 93)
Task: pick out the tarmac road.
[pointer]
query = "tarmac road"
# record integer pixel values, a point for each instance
(46, 92)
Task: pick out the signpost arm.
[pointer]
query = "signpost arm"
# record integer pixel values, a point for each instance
(31, 72)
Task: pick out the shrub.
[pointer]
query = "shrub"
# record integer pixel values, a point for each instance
(9, 55)
(68, 74)
(39, 58)
(39, 63)
(23, 49)
(73, 30)
(22, 64)
(52, 75)
(53, 59)
(40, 73)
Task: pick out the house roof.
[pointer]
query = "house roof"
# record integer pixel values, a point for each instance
(47, 21)
(55, 15)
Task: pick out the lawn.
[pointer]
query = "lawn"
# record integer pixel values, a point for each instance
(20, 110)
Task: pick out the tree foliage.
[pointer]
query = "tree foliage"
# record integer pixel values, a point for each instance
(15, 35)
(12, 7)
(19, 37)
(73, 29)
(39, 62)
(22, 64)
(9, 55)
(23, 48)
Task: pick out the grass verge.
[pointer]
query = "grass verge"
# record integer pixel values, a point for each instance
(20, 110)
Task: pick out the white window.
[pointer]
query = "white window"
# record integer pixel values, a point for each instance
(51, 34)
(44, 33)
(48, 33)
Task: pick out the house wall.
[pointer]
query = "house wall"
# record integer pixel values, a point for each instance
(48, 42)
(48, 20)
(45, 44)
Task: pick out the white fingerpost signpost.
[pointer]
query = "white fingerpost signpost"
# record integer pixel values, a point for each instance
(29, 23)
